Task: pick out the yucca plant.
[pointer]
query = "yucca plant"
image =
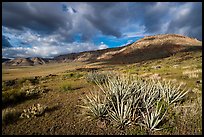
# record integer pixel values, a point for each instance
(120, 91)
(152, 117)
(172, 92)
(121, 113)
(126, 100)
(150, 93)
(95, 105)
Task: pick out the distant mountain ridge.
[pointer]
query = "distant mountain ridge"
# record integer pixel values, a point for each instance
(26, 61)
(147, 48)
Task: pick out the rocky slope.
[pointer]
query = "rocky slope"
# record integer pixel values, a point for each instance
(90, 56)
(150, 47)
(154, 47)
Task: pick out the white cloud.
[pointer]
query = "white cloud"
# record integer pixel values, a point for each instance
(47, 50)
(45, 46)
(103, 46)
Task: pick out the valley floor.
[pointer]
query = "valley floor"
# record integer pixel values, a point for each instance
(66, 85)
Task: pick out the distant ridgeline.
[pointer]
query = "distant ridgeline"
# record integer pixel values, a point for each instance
(147, 48)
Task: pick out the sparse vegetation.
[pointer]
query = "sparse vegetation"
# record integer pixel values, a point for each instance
(12, 96)
(95, 76)
(72, 75)
(31, 80)
(127, 99)
(69, 86)
(15, 96)
(9, 115)
(192, 73)
(66, 87)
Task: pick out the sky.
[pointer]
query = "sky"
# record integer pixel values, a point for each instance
(49, 29)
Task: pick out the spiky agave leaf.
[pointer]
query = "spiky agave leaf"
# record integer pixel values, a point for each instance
(172, 92)
(150, 93)
(95, 105)
(152, 117)
(121, 113)
(118, 91)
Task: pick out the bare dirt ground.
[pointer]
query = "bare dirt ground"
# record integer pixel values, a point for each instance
(63, 118)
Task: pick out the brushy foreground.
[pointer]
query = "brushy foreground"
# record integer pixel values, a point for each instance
(124, 100)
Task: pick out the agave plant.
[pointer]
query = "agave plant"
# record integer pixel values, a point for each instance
(150, 93)
(172, 92)
(152, 117)
(121, 113)
(95, 105)
(123, 99)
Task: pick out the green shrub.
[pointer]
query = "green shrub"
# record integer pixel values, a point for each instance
(73, 75)
(22, 80)
(98, 77)
(12, 96)
(9, 115)
(28, 81)
(67, 87)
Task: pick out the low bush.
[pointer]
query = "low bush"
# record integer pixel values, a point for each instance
(29, 81)
(9, 115)
(73, 75)
(97, 77)
(14, 96)
(68, 87)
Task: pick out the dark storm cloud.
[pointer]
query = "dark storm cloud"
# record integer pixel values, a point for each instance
(50, 29)
(40, 17)
(50, 18)
(101, 24)
(111, 19)
(169, 17)
(153, 17)
(190, 20)
(103, 17)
